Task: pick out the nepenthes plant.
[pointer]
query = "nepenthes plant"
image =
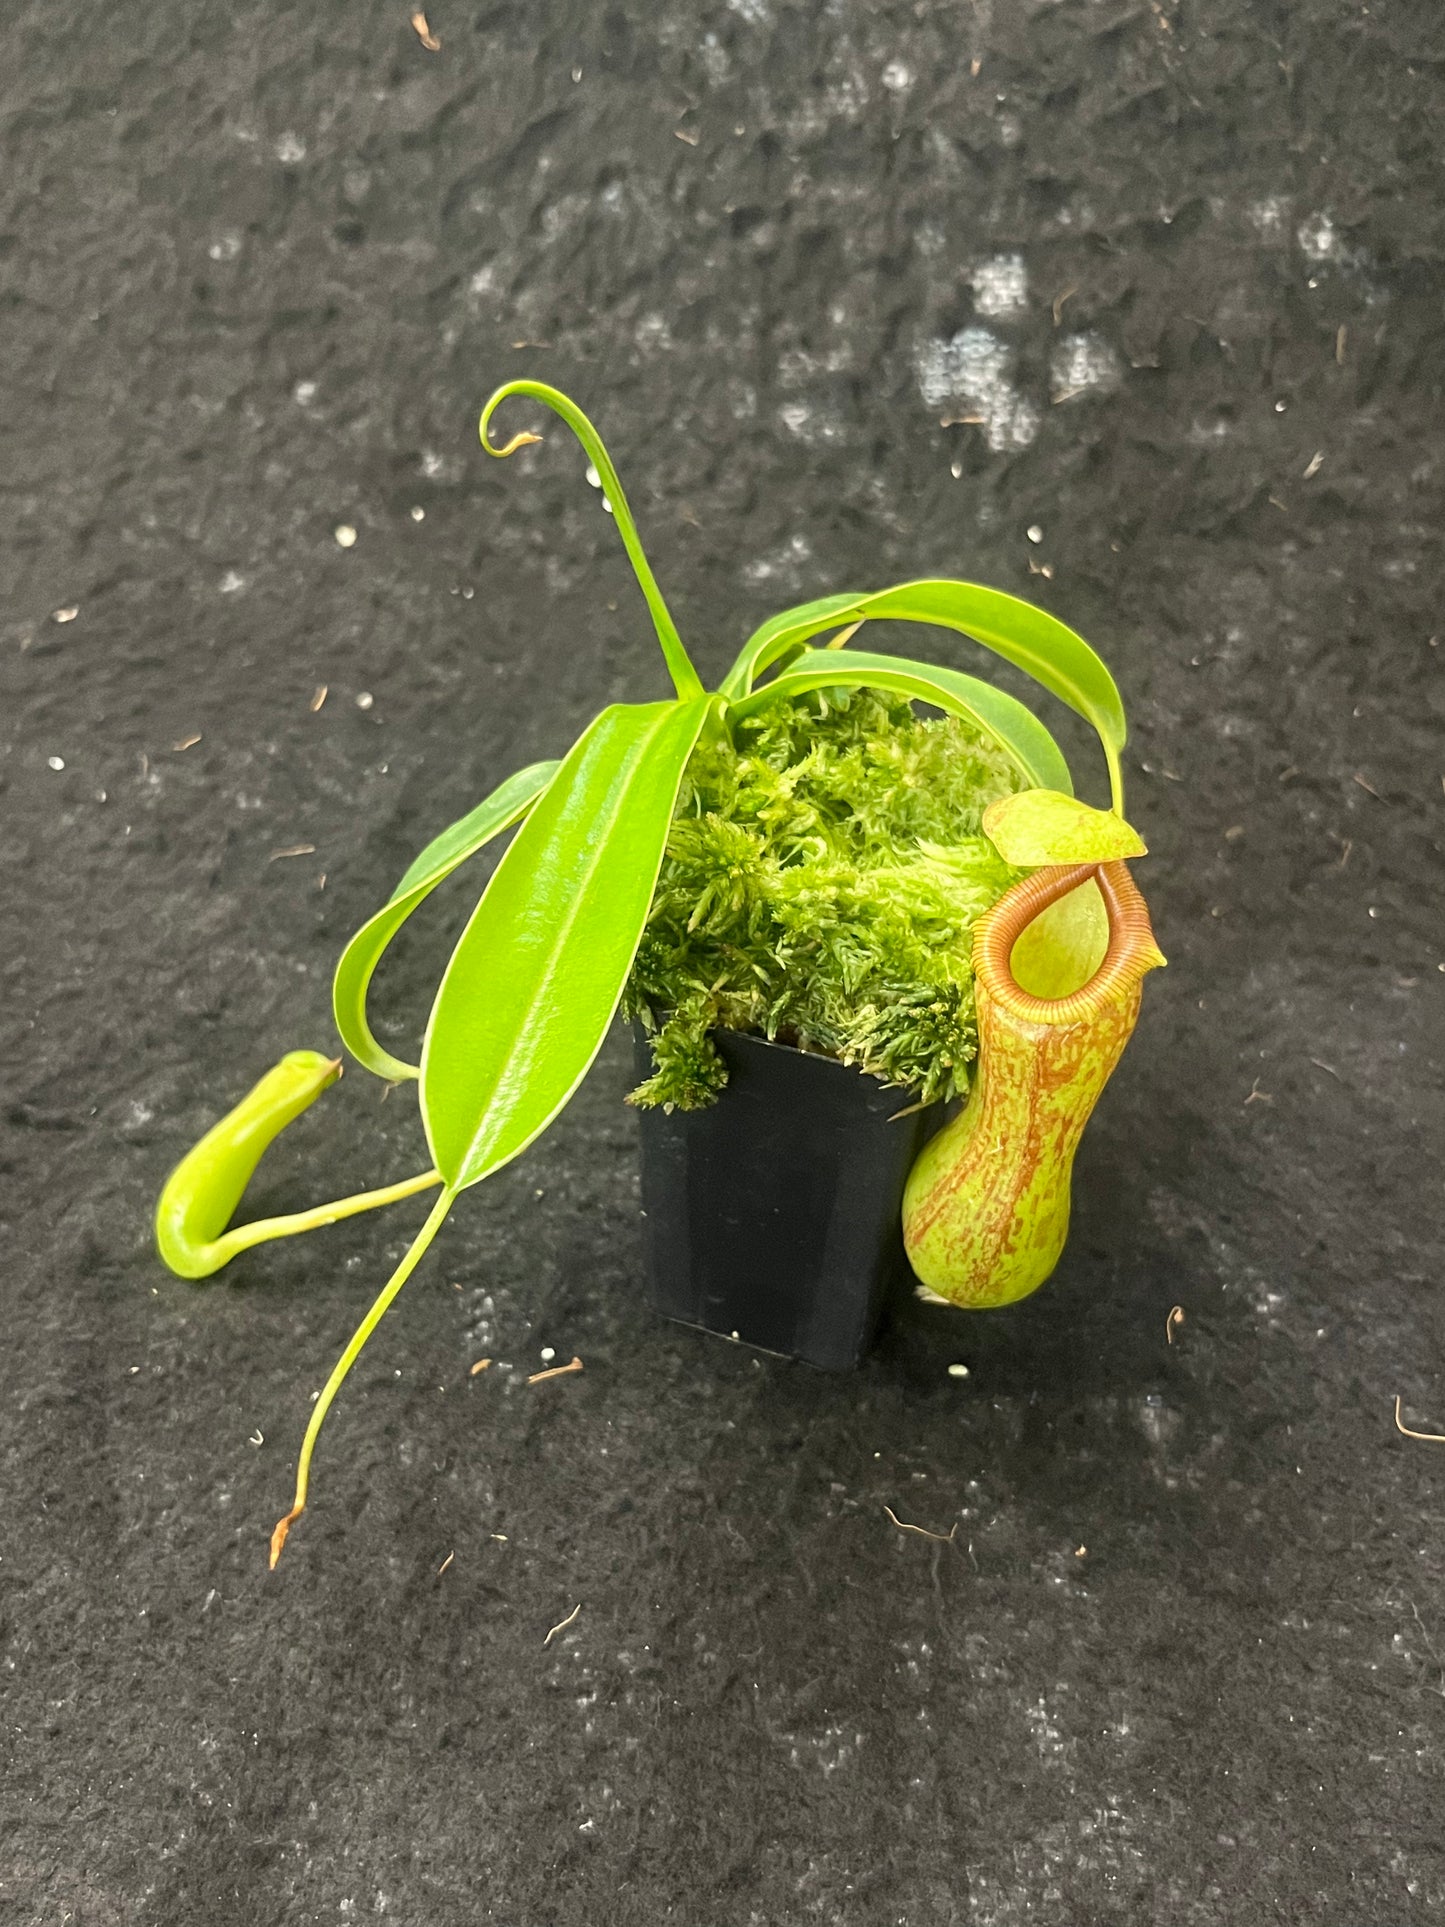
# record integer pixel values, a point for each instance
(536, 978)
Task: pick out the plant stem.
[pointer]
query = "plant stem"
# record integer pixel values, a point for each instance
(232, 1243)
(685, 678)
(348, 1358)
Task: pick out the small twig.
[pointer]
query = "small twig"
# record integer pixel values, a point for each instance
(1059, 300)
(1320, 1065)
(1342, 335)
(562, 1624)
(424, 34)
(322, 691)
(685, 134)
(1431, 1438)
(1173, 1322)
(258, 1437)
(1316, 462)
(186, 742)
(1365, 784)
(481, 1364)
(1257, 1096)
(922, 1531)
(295, 849)
(445, 1563)
(557, 1371)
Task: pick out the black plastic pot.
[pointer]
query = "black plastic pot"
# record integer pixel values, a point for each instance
(773, 1215)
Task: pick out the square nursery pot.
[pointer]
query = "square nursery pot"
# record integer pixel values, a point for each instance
(773, 1216)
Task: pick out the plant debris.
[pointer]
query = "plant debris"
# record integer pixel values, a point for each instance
(1431, 1438)
(562, 1624)
(923, 1532)
(557, 1371)
(424, 33)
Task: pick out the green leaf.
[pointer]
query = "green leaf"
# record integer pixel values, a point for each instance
(1016, 729)
(1026, 636)
(780, 633)
(1042, 826)
(532, 985)
(437, 861)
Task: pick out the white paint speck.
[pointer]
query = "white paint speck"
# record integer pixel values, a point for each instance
(304, 393)
(652, 332)
(1267, 217)
(1034, 532)
(782, 562)
(896, 77)
(365, 699)
(958, 1371)
(973, 371)
(755, 12)
(1082, 362)
(1318, 237)
(226, 248)
(65, 615)
(290, 149)
(548, 1354)
(1000, 286)
(231, 583)
(418, 515)
(345, 536)
(56, 762)
(431, 464)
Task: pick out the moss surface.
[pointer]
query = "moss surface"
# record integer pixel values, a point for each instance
(822, 879)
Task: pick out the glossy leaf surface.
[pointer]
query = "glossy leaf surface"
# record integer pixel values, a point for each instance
(532, 985)
(789, 630)
(1016, 729)
(1045, 826)
(441, 856)
(1029, 637)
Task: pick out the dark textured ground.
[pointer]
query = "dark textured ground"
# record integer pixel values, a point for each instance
(1185, 1661)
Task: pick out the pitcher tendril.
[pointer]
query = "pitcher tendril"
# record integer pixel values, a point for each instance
(415, 1252)
(557, 935)
(685, 677)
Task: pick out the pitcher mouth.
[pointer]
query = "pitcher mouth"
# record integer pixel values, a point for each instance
(1131, 952)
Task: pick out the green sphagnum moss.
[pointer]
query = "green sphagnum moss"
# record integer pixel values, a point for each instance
(823, 875)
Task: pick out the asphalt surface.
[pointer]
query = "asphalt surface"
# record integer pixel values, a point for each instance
(1181, 1655)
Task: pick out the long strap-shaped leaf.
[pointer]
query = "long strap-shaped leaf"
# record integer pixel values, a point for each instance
(1016, 729)
(1026, 636)
(532, 985)
(789, 630)
(436, 862)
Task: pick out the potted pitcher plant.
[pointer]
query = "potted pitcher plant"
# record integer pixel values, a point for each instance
(879, 965)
